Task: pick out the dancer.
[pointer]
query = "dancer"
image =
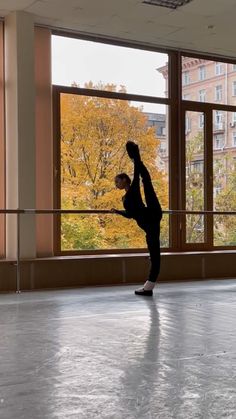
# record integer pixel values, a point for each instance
(147, 217)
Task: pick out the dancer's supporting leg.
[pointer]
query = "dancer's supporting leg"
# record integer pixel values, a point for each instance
(152, 231)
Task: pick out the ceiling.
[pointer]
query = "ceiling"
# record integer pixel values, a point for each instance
(201, 25)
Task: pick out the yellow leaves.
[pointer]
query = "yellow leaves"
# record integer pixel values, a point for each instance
(94, 132)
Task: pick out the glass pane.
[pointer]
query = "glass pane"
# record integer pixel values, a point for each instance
(194, 155)
(96, 65)
(208, 81)
(98, 231)
(94, 132)
(224, 181)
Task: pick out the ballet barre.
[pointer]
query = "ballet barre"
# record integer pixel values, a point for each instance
(18, 212)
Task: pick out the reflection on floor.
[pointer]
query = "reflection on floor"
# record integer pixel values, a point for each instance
(106, 353)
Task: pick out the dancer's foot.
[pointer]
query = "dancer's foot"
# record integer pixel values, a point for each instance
(133, 150)
(142, 291)
(146, 289)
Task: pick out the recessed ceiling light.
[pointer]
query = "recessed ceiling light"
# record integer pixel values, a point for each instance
(171, 4)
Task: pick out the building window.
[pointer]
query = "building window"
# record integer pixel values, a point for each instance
(218, 93)
(185, 78)
(234, 88)
(187, 125)
(217, 190)
(201, 120)
(197, 166)
(218, 120)
(219, 69)
(187, 96)
(163, 131)
(162, 148)
(234, 139)
(234, 163)
(202, 72)
(234, 67)
(233, 118)
(202, 95)
(219, 142)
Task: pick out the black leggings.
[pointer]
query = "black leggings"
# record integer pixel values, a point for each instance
(149, 217)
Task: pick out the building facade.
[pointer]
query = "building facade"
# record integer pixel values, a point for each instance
(212, 82)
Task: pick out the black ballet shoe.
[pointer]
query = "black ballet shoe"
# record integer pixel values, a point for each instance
(142, 291)
(133, 150)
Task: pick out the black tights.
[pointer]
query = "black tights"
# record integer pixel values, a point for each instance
(149, 217)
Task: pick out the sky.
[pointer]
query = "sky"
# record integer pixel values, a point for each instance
(80, 61)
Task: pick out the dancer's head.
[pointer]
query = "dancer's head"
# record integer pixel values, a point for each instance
(122, 181)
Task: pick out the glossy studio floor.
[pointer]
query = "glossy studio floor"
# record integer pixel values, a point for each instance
(106, 353)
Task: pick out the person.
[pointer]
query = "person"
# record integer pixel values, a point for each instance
(147, 216)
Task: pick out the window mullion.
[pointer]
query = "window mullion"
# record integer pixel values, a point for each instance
(208, 175)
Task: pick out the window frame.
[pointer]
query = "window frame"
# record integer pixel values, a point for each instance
(176, 124)
(202, 73)
(219, 68)
(202, 95)
(234, 139)
(218, 93)
(186, 78)
(234, 88)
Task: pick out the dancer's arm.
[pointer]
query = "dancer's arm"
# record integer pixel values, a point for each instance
(124, 213)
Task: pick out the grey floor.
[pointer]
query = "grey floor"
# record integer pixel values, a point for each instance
(106, 353)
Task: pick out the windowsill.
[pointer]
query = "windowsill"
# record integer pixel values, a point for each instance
(121, 255)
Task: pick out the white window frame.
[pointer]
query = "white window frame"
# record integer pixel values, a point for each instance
(218, 117)
(218, 68)
(201, 120)
(185, 78)
(217, 190)
(219, 120)
(187, 125)
(219, 93)
(197, 166)
(202, 72)
(218, 142)
(234, 139)
(202, 95)
(234, 88)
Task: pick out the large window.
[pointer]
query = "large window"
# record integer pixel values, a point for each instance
(99, 113)
(95, 65)
(94, 131)
(186, 138)
(194, 161)
(224, 184)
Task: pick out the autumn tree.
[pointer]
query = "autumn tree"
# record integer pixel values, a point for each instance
(94, 132)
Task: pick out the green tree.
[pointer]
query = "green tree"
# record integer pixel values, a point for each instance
(194, 188)
(225, 200)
